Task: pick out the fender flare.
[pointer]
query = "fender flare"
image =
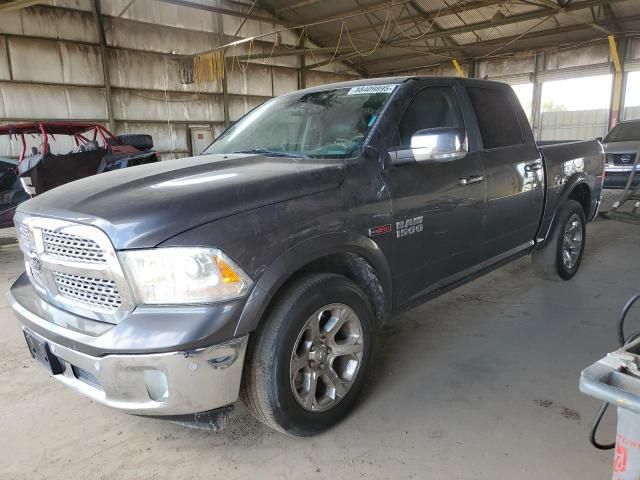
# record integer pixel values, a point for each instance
(281, 269)
(567, 188)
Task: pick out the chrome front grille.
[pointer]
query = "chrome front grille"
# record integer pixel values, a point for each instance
(74, 267)
(25, 235)
(87, 290)
(72, 247)
(623, 159)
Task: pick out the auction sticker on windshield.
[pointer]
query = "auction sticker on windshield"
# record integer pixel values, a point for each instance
(369, 89)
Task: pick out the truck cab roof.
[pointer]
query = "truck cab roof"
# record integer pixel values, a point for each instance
(398, 80)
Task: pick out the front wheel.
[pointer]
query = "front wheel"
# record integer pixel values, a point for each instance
(308, 360)
(561, 255)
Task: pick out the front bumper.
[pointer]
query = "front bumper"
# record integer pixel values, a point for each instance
(165, 383)
(617, 177)
(194, 381)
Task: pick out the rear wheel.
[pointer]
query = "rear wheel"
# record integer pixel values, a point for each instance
(560, 257)
(308, 360)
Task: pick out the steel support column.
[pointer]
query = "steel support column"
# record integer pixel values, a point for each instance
(474, 68)
(225, 86)
(536, 104)
(617, 53)
(616, 100)
(97, 16)
(302, 73)
(458, 68)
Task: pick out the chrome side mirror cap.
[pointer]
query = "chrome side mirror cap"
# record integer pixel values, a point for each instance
(439, 144)
(433, 145)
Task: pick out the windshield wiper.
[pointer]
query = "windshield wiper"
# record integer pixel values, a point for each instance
(271, 153)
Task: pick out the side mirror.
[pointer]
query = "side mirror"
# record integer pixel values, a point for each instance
(433, 145)
(599, 139)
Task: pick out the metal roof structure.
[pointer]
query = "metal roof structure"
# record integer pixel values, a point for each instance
(397, 36)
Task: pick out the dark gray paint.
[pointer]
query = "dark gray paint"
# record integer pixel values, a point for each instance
(142, 206)
(273, 216)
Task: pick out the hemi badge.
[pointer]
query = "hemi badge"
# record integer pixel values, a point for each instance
(379, 230)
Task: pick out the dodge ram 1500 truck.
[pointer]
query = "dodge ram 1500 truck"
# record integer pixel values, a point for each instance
(262, 268)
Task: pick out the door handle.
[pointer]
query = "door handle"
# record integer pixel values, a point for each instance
(533, 166)
(464, 181)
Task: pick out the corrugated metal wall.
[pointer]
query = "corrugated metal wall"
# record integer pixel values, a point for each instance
(632, 113)
(565, 63)
(50, 68)
(577, 125)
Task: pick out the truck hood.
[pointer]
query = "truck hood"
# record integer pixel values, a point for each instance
(140, 207)
(622, 147)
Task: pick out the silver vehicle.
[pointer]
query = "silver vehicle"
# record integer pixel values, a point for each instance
(622, 146)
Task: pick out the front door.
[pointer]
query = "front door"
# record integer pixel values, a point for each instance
(438, 207)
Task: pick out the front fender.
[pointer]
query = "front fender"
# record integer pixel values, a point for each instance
(277, 273)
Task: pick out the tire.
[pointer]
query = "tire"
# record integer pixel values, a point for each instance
(139, 141)
(267, 390)
(549, 261)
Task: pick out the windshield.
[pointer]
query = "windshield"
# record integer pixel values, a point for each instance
(624, 132)
(323, 124)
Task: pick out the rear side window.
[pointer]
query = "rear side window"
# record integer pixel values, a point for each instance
(432, 107)
(497, 118)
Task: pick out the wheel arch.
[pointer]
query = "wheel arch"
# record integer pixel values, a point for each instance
(353, 256)
(581, 193)
(575, 188)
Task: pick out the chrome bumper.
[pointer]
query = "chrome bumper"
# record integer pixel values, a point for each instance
(174, 383)
(170, 383)
(620, 168)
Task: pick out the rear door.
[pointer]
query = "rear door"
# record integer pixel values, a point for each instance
(438, 213)
(513, 168)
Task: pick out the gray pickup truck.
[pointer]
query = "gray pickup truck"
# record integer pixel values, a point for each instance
(262, 268)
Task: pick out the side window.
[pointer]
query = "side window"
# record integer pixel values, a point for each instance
(496, 116)
(432, 107)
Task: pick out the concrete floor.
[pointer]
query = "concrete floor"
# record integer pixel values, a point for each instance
(478, 384)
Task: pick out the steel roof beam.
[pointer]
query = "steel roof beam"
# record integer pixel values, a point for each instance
(430, 18)
(471, 5)
(559, 8)
(361, 70)
(497, 41)
(608, 11)
(295, 6)
(232, 13)
(484, 25)
(517, 19)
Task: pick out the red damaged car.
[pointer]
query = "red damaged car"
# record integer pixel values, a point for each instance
(94, 150)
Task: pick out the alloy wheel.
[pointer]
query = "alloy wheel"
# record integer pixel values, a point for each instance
(326, 357)
(572, 242)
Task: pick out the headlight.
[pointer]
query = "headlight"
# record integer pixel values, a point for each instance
(183, 275)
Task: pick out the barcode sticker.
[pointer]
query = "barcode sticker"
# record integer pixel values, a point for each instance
(369, 89)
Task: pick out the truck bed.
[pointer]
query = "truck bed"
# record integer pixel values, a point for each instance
(566, 164)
